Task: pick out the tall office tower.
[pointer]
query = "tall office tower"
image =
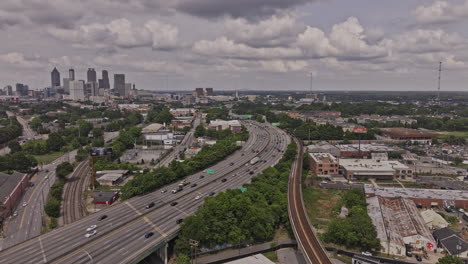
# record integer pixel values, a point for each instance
(119, 84)
(91, 74)
(21, 89)
(208, 91)
(104, 82)
(91, 89)
(55, 78)
(77, 90)
(71, 74)
(198, 92)
(8, 90)
(128, 88)
(66, 85)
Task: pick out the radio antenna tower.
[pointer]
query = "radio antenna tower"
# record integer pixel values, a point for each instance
(438, 85)
(311, 84)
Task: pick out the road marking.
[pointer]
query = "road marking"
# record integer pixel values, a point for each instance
(133, 208)
(181, 211)
(34, 191)
(42, 250)
(154, 226)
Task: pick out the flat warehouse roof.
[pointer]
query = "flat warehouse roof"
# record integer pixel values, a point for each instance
(390, 192)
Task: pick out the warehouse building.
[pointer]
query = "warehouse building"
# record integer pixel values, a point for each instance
(323, 164)
(105, 197)
(374, 169)
(111, 177)
(219, 125)
(12, 188)
(413, 135)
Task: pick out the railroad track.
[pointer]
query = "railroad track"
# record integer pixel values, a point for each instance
(74, 206)
(313, 251)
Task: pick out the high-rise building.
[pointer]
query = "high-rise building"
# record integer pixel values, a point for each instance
(66, 85)
(198, 92)
(8, 90)
(91, 74)
(91, 89)
(119, 84)
(208, 91)
(128, 88)
(77, 90)
(104, 82)
(71, 74)
(55, 78)
(21, 89)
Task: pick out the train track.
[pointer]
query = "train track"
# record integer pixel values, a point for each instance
(313, 251)
(74, 206)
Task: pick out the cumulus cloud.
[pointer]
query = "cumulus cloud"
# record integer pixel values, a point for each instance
(273, 31)
(441, 12)
(424, 41)
(146, 65)
(21, 61)
(121, 33)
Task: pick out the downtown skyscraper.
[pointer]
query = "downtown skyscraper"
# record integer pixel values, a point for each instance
(55, 78)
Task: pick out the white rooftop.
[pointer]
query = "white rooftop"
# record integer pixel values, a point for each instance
(369, 165)
(390, 192)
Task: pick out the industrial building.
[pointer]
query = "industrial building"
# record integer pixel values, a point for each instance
(374, 169)
(398, 224)
(233, 125)
(111, 177)
(451, 242)
(152, 128)
(422, 197)
(12, 188)
(413, 135)
(180, 123)
(105, 197)
(323, 164)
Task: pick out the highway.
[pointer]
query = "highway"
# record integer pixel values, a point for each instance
(120, 237)
(302, 229)
(73, 204)
(186, 142)
(27, 224)
(28, 133)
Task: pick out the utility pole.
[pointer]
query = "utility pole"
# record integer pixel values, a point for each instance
(193, 250)
(438, 84)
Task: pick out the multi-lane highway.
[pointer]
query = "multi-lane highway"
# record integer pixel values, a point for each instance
(120, 236)
(306, 238)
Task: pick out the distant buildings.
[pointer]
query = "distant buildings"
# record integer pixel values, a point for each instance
(413, 135)
(104, 82)
(71, 74)
(233, 125)
(21, 89)
(91, 75)
(8, 90)
(55, 78)
(119, 84)
(200, 92)
(77, 90)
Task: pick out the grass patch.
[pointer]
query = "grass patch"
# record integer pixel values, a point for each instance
(271, 256)
(320, 204)
(281, 233)
(47, 158)
(463, 134)
(343, 258)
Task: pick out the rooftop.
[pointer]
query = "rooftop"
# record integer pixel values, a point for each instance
(391, 192)
(152, 128)
(369, 165)
(103, 196)
(8, 183)
(323, 157)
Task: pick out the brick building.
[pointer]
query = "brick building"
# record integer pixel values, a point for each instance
(323, 164)
(12, 188)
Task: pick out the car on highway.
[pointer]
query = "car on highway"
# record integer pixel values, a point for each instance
(148, 206)
(194, 185)
(149, 234)
(212, 193)
(251, 172)
(91, 228)
(46, 171)
(90, 234)
(180, 220)
(25, 203)
(102, 217)
(201, 176)
(163, 191)
(232, 163)
(15, 214)
(198, 197)
(223, 180)
(174, 203)
(234, 175)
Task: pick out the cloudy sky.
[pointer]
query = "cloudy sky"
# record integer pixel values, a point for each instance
(239, 44)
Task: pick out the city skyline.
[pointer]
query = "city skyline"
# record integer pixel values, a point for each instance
(254, 45)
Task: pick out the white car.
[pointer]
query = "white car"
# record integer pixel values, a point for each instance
(91, 228)
(15, 214)
(25, 203)
(90, 234)
(47, 177)
(367, 253)
(198, 197)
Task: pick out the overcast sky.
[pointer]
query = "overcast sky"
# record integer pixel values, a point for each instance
(239, 44)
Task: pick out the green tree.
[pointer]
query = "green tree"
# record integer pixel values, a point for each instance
(183, 259)
(450, 260)
(164, 117)
(457, 161)
(63, 169)
(14, 146)
(200, 131)
(54, 142)
(52, 207)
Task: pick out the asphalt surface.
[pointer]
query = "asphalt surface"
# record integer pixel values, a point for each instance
(120, 237)
(186, 142)
(28, 133)
(28, 222)
(305, 236)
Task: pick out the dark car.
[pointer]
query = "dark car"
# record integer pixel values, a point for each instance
(149, 234)
(212, 193)
(232, 163)
(251, 172)
(242, 154)
(174, 203)
(148, 206)
(193, 185)
(180, 220)
(201, 176)
(418, 257)
(102, 217)
(223, 180)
